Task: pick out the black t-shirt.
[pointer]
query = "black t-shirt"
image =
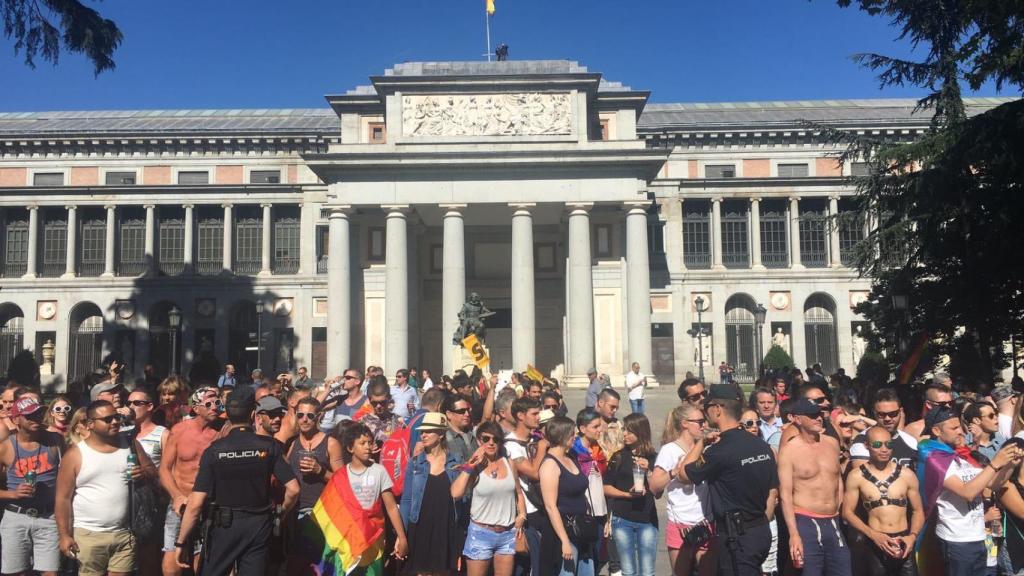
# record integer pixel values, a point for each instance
(739, 470)
(620, 475)
(904, 449)
(236, 469)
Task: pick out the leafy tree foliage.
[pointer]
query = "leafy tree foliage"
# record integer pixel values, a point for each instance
(947, 208)
(777, 359)
(47, 27)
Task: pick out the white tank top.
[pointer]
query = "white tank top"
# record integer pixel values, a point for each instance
(494, 499)
(101, 491)
(151, 444)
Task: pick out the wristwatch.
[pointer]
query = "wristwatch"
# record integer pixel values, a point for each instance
(180, 544)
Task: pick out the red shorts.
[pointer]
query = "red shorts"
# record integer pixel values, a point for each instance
(674, 533)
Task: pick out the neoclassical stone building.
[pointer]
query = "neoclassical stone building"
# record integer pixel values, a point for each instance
(590, 221)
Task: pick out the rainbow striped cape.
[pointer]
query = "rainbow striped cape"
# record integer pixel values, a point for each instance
(352, 537)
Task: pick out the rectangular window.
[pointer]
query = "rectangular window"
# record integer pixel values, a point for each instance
(286, 246)
(602, 240)
(193, 177)
(265, 177)
(94, 248)
(813, 239)
(793, 170)
(210, 257)
(323, 248)
(860, 169)
(318, 360)
(16, 247)
(48, 179)
(248, 245)
(735, 247)
(774, 240)
(604, 129)
(375, 244)
(377, 132)
(120, 179)
(696, 241)
(132, 247)
(656, 237)
(171, 246)
(55, 248)
(851, 233)
(720, 171)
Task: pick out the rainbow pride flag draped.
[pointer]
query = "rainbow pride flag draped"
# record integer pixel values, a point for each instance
(353, 538)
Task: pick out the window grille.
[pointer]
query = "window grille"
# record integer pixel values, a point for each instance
(323, 248)
(171, 246)
(210, 259)
(194, 177)
(860, 169)
(265, 177)
(820, 333)
(813, 239)
(48, 179)
(12, 338)
(94, 248)
(774, 239)
(286, 246)
(55, 247)
(851, 233)
(696, 241)
(735, 248)
(655, 237)
(739, 337)
(248, 245)
(15, 247)
(793, 170)
(120, 179)
(720, 171)
(132, 247)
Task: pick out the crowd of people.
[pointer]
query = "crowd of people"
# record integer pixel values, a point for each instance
(362, 474)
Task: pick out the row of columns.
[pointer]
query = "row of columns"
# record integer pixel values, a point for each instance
(580, 355)
(109, 269)
(715, 230)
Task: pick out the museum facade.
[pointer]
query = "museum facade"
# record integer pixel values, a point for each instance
(590, 221)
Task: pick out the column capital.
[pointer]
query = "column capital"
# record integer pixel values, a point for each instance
(339, 211)
(396, 209)
(453, 207)
(227, 205)
(717, 199)
(754, 198)
(149, 206)
(188, 206)
(631, 205)
(70, 207)
(522, 206)
(110, 206)
(33, 206)
(584, 207)
(794, 198)
(266, 205)
(834, 197)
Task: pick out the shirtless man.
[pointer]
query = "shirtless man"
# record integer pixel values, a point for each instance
(886, 488)
(811, 489)
(180, 465)
(936, 394)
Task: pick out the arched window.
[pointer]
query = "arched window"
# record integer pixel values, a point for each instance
(739, 336)
(86, 340)
(820, 333)
(12, 335)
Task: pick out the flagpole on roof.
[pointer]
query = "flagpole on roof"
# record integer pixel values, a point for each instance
(487, 19)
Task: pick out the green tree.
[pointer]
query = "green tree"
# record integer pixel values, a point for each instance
(48, 27)
(777, 359)
(873, 369)
(948, 205)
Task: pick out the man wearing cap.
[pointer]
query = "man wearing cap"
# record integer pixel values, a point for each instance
(811, 490)
(180, 464)
(235, 473)
(594, 388)
(269, 414)
(740, 472)
(953, 484)
(31, 456)
(1006, 400)
(110, 391)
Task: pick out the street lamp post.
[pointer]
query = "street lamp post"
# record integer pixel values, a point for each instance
(699, 303)
(174, 322)
(259, 334)
(759, 314)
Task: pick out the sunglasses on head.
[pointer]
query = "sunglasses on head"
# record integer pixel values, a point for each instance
(893, 414)
(140, 402)
(462, 411)
(305, 415)
(109, 419)
(877, 444)
(61, 409)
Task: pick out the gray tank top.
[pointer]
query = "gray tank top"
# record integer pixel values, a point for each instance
(310, 486)
(494, 499)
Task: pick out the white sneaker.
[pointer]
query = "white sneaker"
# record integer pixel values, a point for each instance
(616, 573)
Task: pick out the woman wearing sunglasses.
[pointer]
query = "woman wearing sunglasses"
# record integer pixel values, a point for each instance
(498, 509)
(687, 532)
(58, 417)
(630, 500)
(749, 422)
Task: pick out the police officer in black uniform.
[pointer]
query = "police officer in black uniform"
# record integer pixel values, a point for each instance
(742, 480)
(234, 472)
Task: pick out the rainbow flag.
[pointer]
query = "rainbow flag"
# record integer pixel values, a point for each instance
(909, 365)
(353, 537)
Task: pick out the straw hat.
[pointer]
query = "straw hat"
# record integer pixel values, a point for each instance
(433, 421)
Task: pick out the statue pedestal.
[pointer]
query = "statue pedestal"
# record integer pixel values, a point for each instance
(463, 360)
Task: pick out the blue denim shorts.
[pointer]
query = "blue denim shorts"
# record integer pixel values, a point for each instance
(483, 544)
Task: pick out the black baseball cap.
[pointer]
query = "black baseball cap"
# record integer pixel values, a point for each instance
(938, 416)
(722, 392)
(805, 407)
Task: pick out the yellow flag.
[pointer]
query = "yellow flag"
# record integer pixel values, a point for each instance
(533, 374)
(476, 350)
(490, 7)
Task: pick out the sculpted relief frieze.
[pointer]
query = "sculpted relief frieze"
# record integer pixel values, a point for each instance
(516, 114)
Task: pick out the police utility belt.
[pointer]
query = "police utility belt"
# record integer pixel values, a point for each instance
(222, 516)
(736, 523)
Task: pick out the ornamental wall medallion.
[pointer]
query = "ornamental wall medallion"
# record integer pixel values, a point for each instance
(779, 300)
(46, 309)
(206, 307)
(857, 297)
(515, 114)
(125, 309)
(283, 307)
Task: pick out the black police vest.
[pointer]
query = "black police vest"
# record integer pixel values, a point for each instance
(243, 463)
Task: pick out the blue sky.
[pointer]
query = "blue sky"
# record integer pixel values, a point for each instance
(266, 54)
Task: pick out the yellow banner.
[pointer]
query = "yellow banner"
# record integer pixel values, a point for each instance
(533, 374)
(476, 350)
(490, 7)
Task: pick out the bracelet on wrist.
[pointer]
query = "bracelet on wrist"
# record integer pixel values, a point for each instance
(468, 469)
(994, 468)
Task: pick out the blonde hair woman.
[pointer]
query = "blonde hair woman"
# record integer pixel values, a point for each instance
(78, 427)
(58, 415)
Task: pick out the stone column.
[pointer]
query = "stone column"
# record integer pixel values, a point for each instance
(189, 239)
(794, 233)
(339, 297)
(638, 289)
(835, 258)
(108, 260)
(72, 244)
(33, 242)
(716, 234)
(674, 235)
(580, 292)
(228, 243)
(453, 274)
(267, 245)
(524, 306)
(150, 240)
(755, 234)
(396, 291)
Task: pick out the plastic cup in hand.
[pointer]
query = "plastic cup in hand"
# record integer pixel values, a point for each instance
(638, 478)
(306, 460)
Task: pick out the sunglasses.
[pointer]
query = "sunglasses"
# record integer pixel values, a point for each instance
(877, 444)
(61, 409)
(140, 403)
(274, 415)
(845, 424)
(698, 421)
(376, 403)
(819, 401)
(211, 403)
(749, 423)
(551, 406)
(893, 414)
(110, 419)
(462, 411)
(305, 415)
(347, 377)
(697, 397)
(487, 439)
(948, 404)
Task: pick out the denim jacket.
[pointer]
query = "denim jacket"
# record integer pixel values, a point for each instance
(416, 473)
